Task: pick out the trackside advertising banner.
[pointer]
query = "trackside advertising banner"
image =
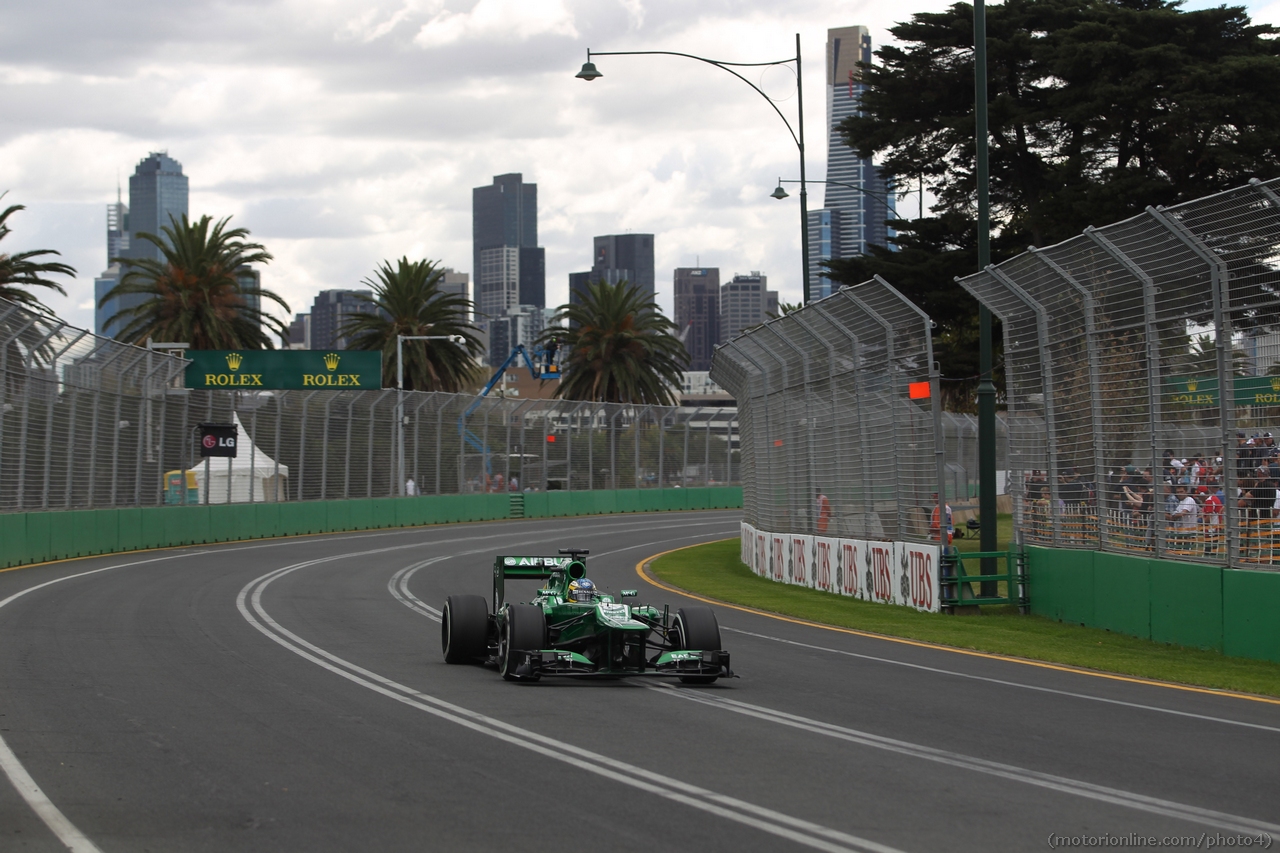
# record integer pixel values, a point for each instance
(902, 573)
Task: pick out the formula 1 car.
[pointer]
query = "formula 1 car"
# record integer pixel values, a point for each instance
(566, 630)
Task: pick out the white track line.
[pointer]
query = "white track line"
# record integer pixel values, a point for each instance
(1004, 682)
(767, 820)
(71, 837)
(1062, 784)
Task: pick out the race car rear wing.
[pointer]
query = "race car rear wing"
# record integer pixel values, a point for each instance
(530, 568)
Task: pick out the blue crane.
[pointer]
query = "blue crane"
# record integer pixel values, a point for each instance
(542, 364)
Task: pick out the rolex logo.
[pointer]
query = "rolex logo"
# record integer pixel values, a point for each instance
(1193, 384)
(1275, 384)
(331, 360)
(234, 359)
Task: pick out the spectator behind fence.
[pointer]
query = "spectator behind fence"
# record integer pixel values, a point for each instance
(1184, 519)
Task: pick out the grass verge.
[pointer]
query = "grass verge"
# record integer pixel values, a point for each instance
(714, 570)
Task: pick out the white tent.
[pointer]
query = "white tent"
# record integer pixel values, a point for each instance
(250, 476)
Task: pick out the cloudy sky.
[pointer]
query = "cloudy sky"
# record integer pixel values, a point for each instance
(343, 132)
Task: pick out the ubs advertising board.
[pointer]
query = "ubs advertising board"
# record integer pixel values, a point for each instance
(902, 573)
(284, 370)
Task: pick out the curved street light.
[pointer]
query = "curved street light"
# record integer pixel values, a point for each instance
(589, 72)
(889, 198)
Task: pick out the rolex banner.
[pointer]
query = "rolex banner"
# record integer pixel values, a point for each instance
(902, 573)
(284, 370)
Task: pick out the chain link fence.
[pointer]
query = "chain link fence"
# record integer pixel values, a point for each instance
(839, 418)
(1142, 359)
(89, 422)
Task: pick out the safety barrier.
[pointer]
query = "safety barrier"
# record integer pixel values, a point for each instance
(1183, 603)
(35, 537)
(902, 573)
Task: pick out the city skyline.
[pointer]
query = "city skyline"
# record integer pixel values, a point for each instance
(344, 135)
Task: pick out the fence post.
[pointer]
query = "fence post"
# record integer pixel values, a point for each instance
(808, 496)
(767, 456)
(893, 408)
(1151, 333)
(1095, 389)
(1220, 283)
(858, 392)
(1046, 384)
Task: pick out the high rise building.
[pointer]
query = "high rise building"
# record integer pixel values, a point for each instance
(744, 303)
(330, 312)
(299, 333)
(498, 281)
(697, 310)
(504, 216)
(521, 325)
(853, 216)
(578, 282)
(628, 257)
(157, 190)
(457, 283)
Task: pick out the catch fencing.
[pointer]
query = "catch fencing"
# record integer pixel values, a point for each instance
(87, 422)
(1141, 357)
(838, 408)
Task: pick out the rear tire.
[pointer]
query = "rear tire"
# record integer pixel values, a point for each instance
(525, 630)
(464, 628)
(696, 628)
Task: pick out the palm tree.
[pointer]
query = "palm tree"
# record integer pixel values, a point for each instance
(196, 293)
(20, 271)
(409, 301)
(621, 349)
(785, 308)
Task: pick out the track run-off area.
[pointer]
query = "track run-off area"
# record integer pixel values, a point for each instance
(291, 695)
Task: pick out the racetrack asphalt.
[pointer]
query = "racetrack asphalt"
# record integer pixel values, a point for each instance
(290, 695)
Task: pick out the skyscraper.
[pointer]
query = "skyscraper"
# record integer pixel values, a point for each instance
(117, 243)
(157, 191)
(744, 303)
(697, 310)
(625, 256)
(850, 220)
(504, 216)
(329, 313)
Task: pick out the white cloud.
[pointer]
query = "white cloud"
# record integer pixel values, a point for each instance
(343, 132)
(498, 21)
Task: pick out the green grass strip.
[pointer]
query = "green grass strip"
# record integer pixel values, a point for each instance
(715, 571)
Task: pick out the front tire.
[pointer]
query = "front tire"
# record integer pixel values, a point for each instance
(464, 628)
(696, 628)
(525, 630)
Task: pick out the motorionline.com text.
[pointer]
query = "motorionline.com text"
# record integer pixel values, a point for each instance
(1204, 841)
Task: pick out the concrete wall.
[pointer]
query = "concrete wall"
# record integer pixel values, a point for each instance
(36, 537)
(1188, 604)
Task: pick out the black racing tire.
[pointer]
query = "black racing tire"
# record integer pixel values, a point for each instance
(464, 628)
(695, 627)
(525, 630)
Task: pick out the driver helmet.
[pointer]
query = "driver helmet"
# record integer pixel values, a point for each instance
(582, 590)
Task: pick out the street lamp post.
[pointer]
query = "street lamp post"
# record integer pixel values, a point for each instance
(400, 339)
(986, 386)
(589, 73)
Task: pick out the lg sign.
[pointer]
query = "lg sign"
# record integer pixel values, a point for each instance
(218, 439)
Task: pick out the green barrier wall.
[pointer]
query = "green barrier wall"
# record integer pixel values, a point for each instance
(37, 537)
(1186, 604)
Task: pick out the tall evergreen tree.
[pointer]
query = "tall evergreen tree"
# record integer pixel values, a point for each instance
(1098, 108)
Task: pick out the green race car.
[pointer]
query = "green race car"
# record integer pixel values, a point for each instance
(570, 628)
